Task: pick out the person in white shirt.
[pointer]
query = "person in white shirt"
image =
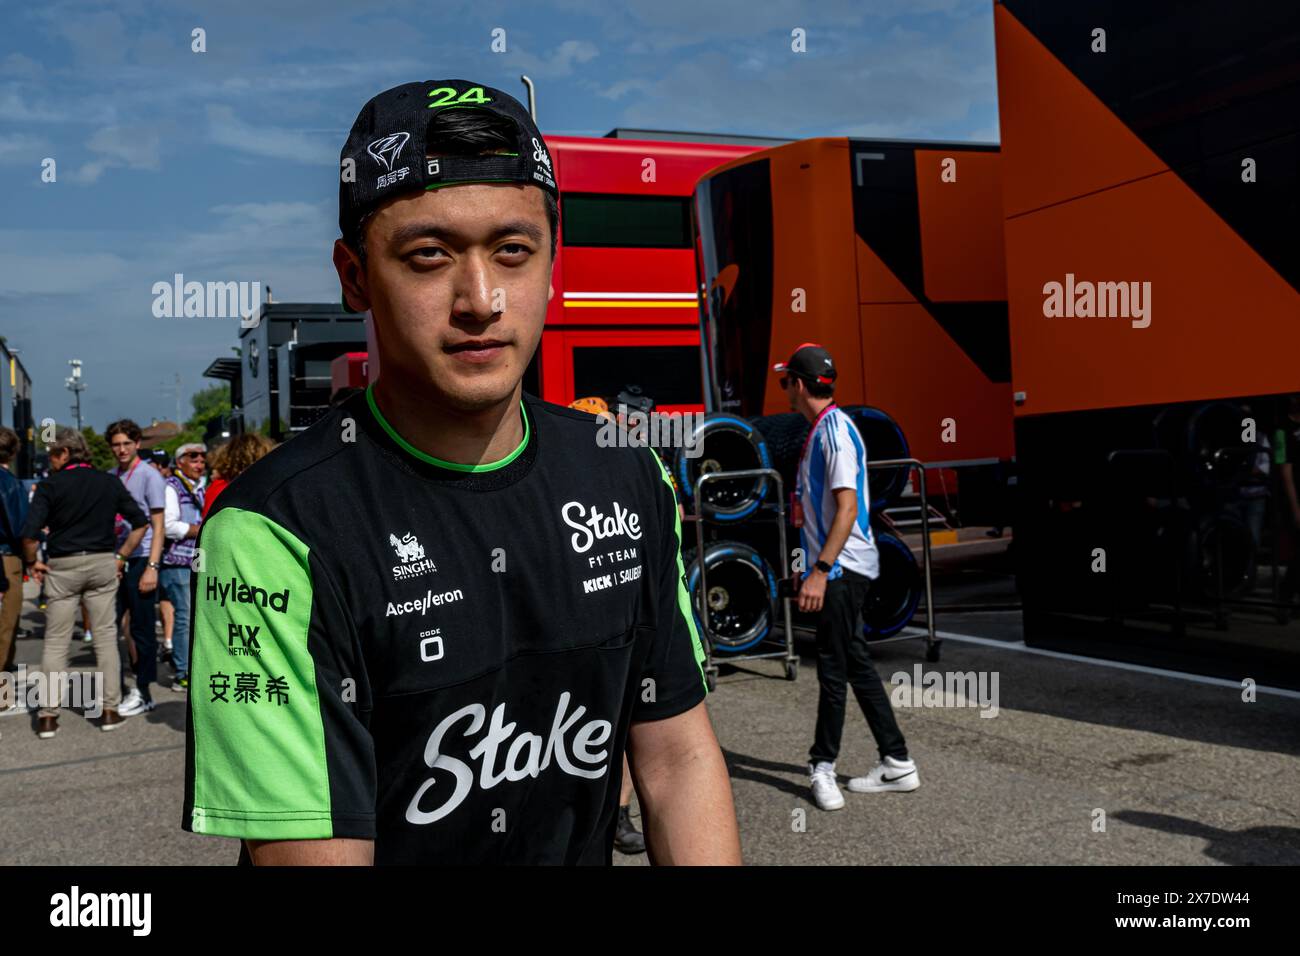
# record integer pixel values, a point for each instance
(832, 510)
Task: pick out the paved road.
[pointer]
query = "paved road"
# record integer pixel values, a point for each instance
(1184, 771)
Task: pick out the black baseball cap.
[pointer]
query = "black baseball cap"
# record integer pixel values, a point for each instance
(810, 362)
(387, 147)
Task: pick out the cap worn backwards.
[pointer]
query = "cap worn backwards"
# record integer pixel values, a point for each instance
(385, 152)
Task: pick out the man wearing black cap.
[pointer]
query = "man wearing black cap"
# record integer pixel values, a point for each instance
(833, 512)
(426, 629)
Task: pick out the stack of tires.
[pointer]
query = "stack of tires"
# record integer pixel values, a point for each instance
(741, 563)
(742, 588)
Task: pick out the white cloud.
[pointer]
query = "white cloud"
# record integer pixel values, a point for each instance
(622, 88)
(18, 149)
(131, 147)
(16, 108)
(226, 129)
(560, 61)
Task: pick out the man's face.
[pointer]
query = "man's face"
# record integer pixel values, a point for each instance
(192, 464)
(790, 383)
(59, 458)
(458, 280)
(123, 448)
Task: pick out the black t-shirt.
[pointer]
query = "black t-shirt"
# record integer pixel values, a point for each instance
(80, 505)
(445, 660)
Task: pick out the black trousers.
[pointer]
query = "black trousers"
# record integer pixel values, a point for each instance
(842, 658)
(144, 609)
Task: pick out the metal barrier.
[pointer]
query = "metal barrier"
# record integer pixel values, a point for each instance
(788, 654)
(932, 643)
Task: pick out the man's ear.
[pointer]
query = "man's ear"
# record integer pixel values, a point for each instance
(352, 277)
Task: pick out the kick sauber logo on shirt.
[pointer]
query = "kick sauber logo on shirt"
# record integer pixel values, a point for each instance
(591, 525)
(411, 552)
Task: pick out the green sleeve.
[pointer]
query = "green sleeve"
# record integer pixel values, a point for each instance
(276, 748)
(676, 663)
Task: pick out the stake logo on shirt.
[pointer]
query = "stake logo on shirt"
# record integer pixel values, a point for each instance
(592, 526)
(527, 755)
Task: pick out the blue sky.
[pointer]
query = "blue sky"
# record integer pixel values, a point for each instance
(222, 165)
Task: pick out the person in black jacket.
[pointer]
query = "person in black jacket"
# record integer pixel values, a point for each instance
(79, 506)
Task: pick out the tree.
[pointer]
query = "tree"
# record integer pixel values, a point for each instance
(101, 455)
(208, 403)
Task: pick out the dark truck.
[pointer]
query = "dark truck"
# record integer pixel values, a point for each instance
(280, 384)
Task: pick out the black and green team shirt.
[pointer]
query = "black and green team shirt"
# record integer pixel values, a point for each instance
(442, 658)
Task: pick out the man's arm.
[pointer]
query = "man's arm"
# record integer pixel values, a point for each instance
(685, 793)
(338, 852)
(15, 505)
(37, 515)
(276, 752)
(672, 752)
(159, 535)
(813, 590)
(846, 513)
(132, 540)
(149, 576)
(172, 523)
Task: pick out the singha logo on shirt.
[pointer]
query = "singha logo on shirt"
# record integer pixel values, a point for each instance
(408, 548)
(411, 552)
(507, 757)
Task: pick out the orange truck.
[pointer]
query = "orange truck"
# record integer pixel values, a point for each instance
(1150, 189)
(889, 254)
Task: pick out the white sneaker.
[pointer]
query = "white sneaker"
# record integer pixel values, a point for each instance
(826, 792)
(87, 638)
(891, 774)
(133, 704)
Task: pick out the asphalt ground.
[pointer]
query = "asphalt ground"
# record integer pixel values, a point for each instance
(1181, 771)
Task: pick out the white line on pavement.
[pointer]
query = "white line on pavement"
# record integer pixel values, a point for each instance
(1021, 647)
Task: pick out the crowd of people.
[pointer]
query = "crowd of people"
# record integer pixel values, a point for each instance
(115, 549)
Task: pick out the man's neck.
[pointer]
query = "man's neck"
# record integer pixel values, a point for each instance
(815, 406)
(124, 467)
(464, 438)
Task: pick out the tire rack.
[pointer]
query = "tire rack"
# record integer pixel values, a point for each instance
(932, 644)
(787, 654)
